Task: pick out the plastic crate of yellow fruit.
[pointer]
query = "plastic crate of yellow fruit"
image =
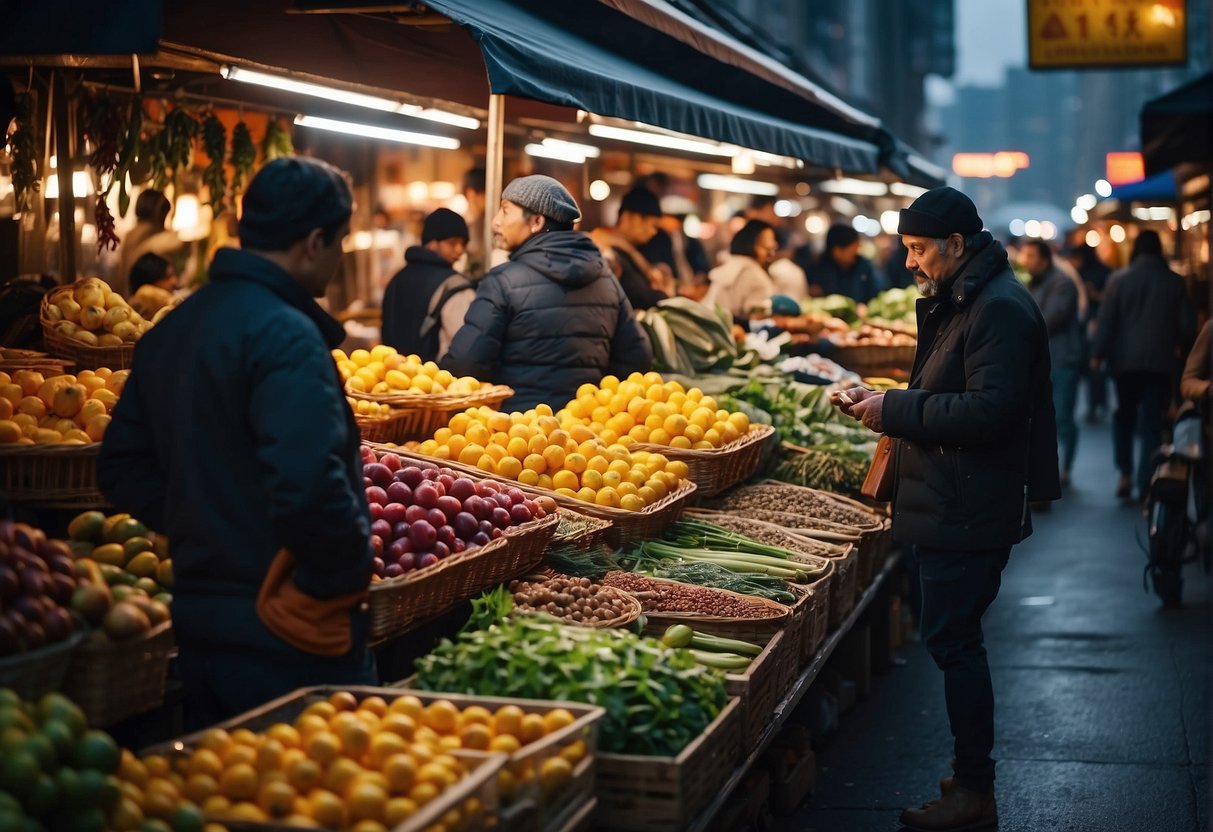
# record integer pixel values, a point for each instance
(422, 396)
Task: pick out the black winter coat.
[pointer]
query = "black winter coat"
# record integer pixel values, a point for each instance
(977, 438)
(1146, 322)
(233, 437)
(549, 320)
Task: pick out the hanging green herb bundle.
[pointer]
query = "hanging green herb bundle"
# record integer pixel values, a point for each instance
(23, 148)
(277, 142)
(173, 146)
(214, 142)
(244, 156)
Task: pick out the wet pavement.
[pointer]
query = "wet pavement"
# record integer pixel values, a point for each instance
(1103, 698)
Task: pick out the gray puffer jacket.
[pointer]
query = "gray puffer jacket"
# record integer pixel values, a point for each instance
(548, 321)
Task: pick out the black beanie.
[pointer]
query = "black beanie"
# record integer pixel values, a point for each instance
(939, 213)
(444, 224)
(290, 197)
(641, 201)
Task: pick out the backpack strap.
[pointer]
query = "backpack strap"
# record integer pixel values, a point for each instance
(450, 287)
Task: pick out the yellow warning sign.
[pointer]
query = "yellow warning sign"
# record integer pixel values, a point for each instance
(1075, 34)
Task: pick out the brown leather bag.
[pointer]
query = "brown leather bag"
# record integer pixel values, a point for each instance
(878, 484)
(320, 626)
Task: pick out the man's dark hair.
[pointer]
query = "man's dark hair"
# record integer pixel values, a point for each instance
(840, 235)
(289, 198)
(1043, 250)
(746, 240)
(1147, 242)
(475, 180)
(150, 268)
(760, 201)
(549, 224)
(152, 205)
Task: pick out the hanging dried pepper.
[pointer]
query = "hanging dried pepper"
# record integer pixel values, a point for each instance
(214, 142)
(106, 236)
(104, 126)
(277, 142)
(23, 149)
(244, 156)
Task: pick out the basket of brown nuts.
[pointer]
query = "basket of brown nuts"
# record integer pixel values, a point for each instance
(577, 601)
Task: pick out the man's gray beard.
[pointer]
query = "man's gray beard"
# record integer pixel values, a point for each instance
(928, 288)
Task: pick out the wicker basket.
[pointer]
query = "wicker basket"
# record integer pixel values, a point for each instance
(480, 781)
(633, 612)
(115, 680)
(664, 794)
(12, 361)
(746, 629)
(399, 604)
(865, 357)
(421, 414)
(116, 357)
(51, 476)
(35, 672)
(720, 468)
(389, 430)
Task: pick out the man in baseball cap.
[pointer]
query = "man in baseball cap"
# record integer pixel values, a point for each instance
(974, 443)
(552, 317)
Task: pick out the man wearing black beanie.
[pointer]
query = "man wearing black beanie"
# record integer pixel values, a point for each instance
(975, 441)
(234, 438)
(425, 303)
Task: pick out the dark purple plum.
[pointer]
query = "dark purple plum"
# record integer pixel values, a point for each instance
(398, 492)
(423, 534)
(426, 560)
(461, 489)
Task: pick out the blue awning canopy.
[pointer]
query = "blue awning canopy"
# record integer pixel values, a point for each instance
(544, 51)
(1157, 188)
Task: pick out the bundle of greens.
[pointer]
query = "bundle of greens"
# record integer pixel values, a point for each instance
(590, 563)
(657, 699)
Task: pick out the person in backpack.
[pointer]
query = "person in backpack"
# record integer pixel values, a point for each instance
(426, 301)
(553, 317)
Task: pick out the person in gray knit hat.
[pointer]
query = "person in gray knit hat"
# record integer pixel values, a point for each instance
(552, 317)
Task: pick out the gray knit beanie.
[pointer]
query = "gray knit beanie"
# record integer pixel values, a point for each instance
(543, 195)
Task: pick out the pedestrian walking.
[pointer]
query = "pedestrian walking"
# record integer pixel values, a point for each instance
(975, 442)
(1059, 300)
(260, 486)
(1146, 328)
(552, 317)
(1095, 274)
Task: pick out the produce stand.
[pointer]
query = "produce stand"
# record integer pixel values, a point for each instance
(115, 680)
(783, 709)
(51, 476)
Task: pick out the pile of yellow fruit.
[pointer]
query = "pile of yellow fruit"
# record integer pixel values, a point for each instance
(647, 409)
(365, 766)
(64, 409)
(382, 370)
(535, 448)
(92, 314)
(373, 410)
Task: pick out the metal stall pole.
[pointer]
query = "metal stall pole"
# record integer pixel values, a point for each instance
(494, 163)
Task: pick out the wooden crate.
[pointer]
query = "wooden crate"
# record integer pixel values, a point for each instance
(553, 810)
(763, 684)
(664, 794)
(479, 783)
(845, 587)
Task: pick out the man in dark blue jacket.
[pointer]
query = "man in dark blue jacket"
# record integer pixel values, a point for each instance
(976, 442)
(553, 317)
(233, 437)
